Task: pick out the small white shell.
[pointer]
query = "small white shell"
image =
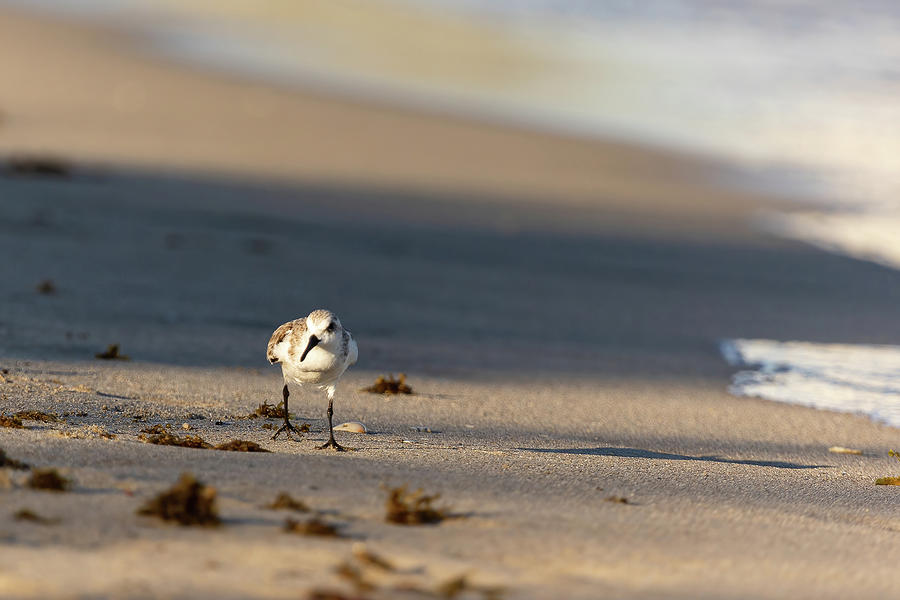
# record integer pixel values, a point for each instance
(842, 450)
(352, 427)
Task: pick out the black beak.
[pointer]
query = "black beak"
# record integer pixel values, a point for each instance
(313, 342)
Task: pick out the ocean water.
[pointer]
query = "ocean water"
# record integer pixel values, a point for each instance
(802, 97)
(852, 378)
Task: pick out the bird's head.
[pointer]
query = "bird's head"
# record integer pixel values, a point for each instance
(324, 330)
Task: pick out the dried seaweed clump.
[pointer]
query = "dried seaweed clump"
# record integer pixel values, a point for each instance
(369, 573)
(354, 576)
(286, 502)
(36, 415)
(158, 428)
(268, 411)
(39, 166)
(456, 586)
(13, 422)
(48, 479)
(389, 385)
(241, 446)
(168, 439)
(313, 526)
(28, 515)
(412, 508)
(12, 463)
(326, 594)
(887, 481)
(367, 558)
(112, 353)
(188, 502)
(617, 499)
(355, 571)
(46, 287)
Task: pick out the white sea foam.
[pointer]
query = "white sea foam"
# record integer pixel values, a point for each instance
(852, 378)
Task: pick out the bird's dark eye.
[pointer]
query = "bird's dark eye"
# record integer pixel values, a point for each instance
(330, 327)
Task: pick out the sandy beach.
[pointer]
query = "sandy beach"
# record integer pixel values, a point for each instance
(555, 303)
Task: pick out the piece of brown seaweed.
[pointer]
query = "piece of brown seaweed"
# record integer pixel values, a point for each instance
(168, 439)
(158, 428)
(46, 287)
(6, 461)
(368, 558)
(266, 411)
(887, 481)
(354, 576)
(455, 586)
(286, 502)
(412, 508)
(29, 515)
(48, 479)
(12, 422)
(326, 594)
(112, 353)
(36, 415)
(270, 411)
(188, 502)
(389, 385)
(38, 166)
(241, 446)
(617, 499)
(313, 526)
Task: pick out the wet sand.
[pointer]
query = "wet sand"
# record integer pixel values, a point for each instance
(555, 303)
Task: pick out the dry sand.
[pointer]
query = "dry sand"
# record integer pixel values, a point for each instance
(556, 304)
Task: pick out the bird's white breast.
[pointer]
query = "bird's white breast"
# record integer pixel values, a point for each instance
(320, 366)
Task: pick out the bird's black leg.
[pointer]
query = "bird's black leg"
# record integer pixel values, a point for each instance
(331, 443)
(287, 424)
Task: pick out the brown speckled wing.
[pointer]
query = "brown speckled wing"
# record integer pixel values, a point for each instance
(298, 325)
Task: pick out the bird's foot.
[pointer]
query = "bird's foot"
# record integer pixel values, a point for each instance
(332, 444)
(289, 428)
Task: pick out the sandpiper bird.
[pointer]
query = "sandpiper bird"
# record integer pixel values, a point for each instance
(313, 350)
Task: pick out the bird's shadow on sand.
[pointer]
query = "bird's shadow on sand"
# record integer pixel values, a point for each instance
(638, 453)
